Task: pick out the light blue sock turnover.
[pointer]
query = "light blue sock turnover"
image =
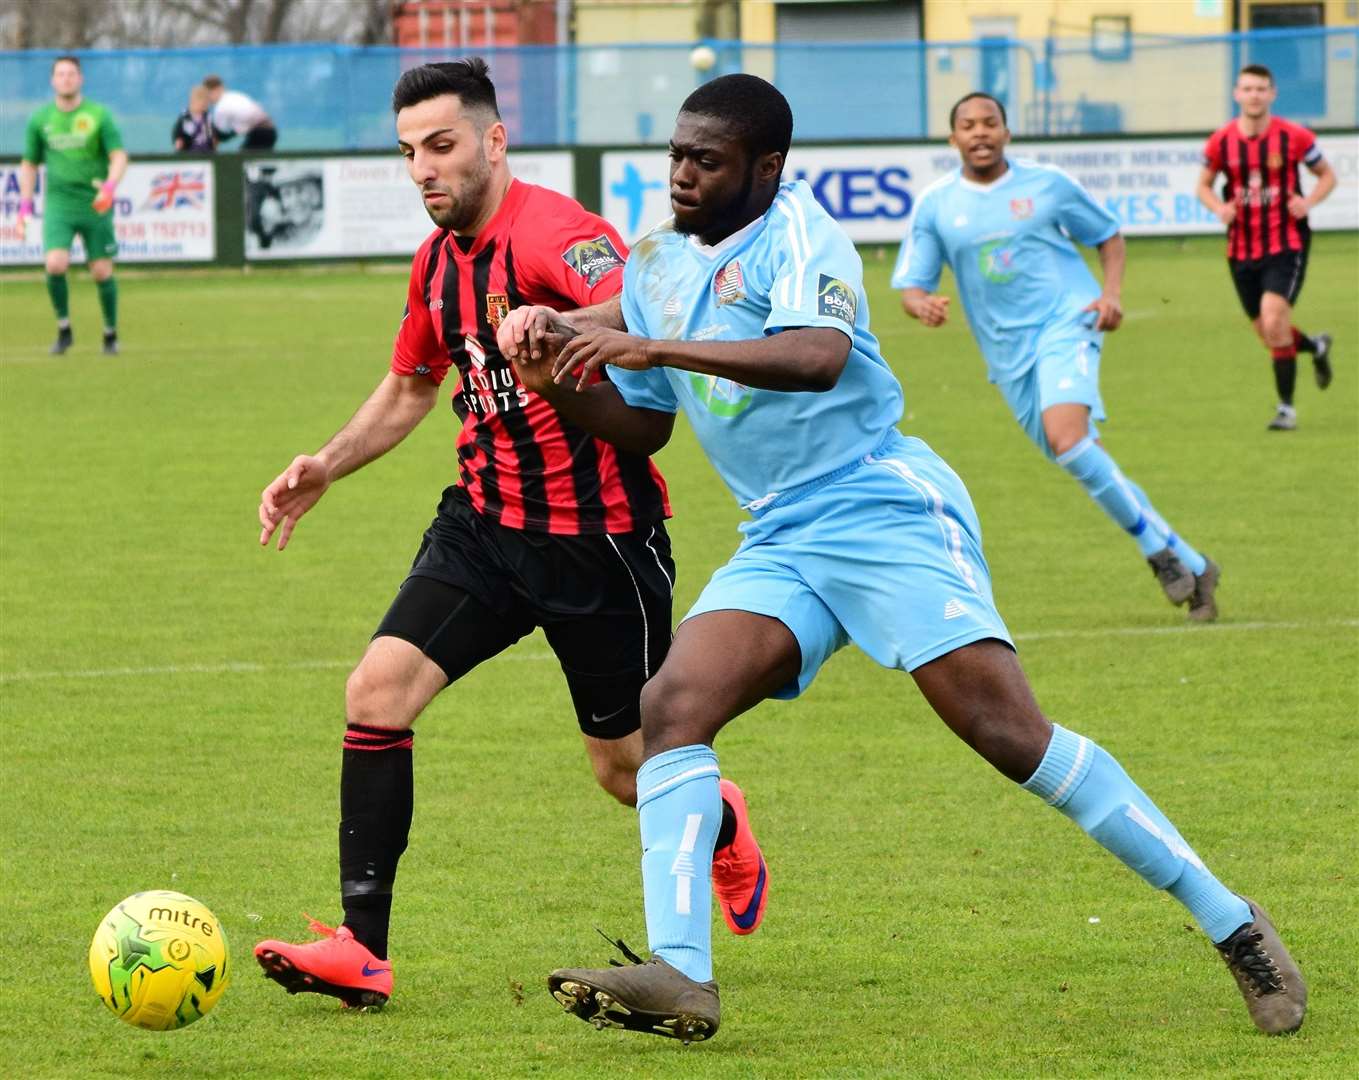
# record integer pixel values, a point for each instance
(1078, 778)
(1096, 471)
(1193, 561)
(680, 808)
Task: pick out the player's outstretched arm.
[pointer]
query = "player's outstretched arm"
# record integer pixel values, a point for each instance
(525, 327)
(1226, 212)
(598, 408)
(391, 413)
(607, 316)
(930, 308)
(804, 358)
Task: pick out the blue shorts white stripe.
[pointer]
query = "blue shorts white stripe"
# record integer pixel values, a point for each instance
(887, 555)
(1065, 370)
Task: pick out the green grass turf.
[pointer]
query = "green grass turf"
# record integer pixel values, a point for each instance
(171, 703)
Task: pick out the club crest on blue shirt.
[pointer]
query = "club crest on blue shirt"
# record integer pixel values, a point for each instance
(1021, 208)
(728, 284)
(836, 299)
(592, 259)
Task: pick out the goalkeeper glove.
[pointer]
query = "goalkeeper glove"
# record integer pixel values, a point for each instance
(103, 202)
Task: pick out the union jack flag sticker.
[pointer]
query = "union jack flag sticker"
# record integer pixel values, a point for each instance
(180, 187)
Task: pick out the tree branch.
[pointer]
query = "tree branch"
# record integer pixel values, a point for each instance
(218, 15)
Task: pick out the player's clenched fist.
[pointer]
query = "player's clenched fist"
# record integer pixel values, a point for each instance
(292, 493)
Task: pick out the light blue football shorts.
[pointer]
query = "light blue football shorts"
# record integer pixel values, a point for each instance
(885, 552)
(1065, 371)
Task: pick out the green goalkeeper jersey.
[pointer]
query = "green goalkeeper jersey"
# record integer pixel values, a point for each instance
(74, 146)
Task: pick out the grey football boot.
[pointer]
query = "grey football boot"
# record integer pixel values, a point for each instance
(1203, 600)
(1176, 580)
(648, 996)
(1276, 996)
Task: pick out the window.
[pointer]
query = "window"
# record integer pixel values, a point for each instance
(1111, 37)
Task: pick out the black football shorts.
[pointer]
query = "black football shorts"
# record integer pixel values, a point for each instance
(604, 603)
(1281, 274)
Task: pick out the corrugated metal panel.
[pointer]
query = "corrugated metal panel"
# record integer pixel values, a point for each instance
(815, 21)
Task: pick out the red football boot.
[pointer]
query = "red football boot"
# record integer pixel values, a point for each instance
(336, 965)
(740, 877)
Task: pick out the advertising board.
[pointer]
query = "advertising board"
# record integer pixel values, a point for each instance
(163, 213)
(1148, 184)
(349, 207)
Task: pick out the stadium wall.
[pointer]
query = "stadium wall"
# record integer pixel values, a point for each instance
(337, 98)
(237, 210)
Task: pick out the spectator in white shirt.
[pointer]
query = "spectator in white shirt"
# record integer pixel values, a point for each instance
(235, 113)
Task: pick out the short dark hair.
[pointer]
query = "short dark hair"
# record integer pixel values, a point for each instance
(754, 109)
(467, 78)
(212, 82)
(953, 112)
(1257, 69)
(67, 60)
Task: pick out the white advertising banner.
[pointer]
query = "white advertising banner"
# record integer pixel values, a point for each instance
(163, 212)
(338, 207)
(1148, 184)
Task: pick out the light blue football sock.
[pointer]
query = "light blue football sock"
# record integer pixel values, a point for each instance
(1095, 471)
(1193, 561)
(680, 807)
(1078, 778)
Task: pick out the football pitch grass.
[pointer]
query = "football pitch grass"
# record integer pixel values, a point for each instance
(171, 700)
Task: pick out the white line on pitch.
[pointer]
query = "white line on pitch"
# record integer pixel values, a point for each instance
(1139, 631)
(250, 668)
(230, 668)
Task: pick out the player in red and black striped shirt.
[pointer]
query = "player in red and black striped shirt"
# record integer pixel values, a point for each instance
(545, 525)
(1265, 212)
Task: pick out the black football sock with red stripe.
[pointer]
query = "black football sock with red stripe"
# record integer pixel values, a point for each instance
(1302, 343)
(376, 803)
(1285, 373)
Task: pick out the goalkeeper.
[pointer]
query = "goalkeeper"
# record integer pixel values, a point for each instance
(80, 145)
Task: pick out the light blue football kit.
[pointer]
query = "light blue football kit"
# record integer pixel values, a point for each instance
(1024, 286)
(856, 533)
(848, 516)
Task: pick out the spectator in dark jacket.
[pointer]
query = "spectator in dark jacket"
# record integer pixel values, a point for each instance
(193, 132)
